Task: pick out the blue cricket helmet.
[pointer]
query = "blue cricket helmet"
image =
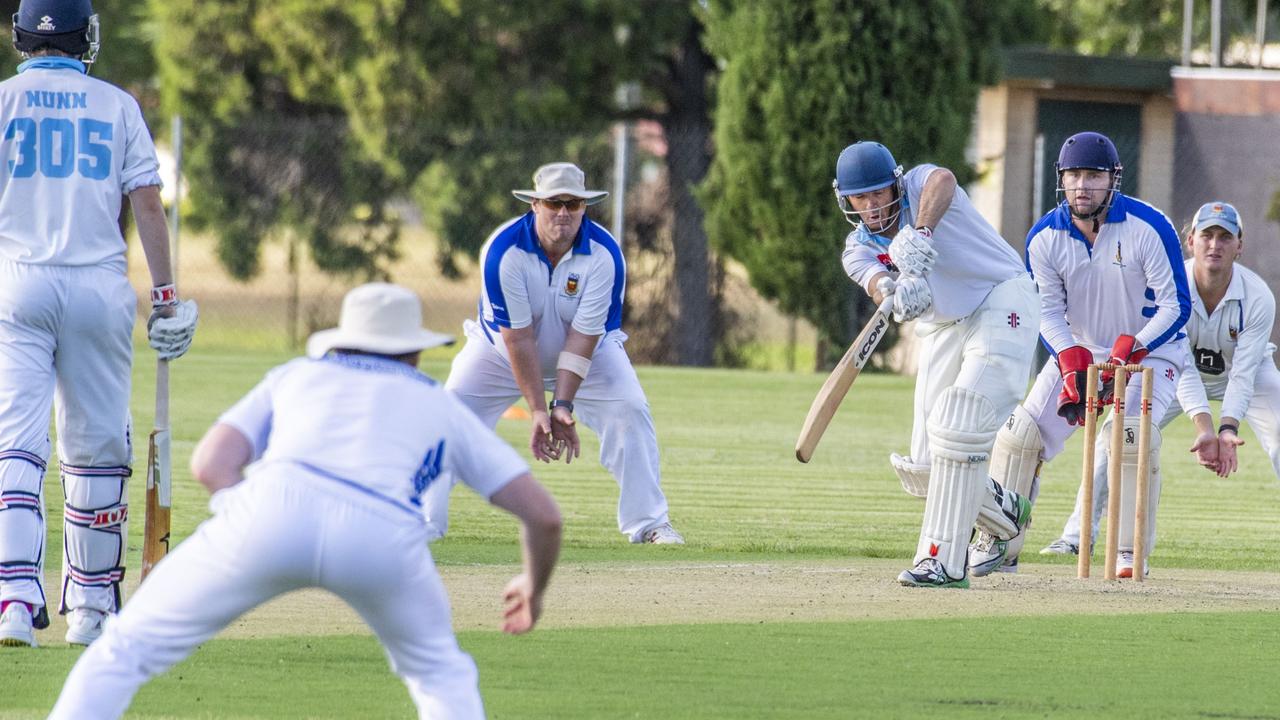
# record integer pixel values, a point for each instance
(865, 166)
(1088, 150)
(69, 26)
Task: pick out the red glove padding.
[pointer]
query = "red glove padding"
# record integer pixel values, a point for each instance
(1073, 364)
(1125, 351)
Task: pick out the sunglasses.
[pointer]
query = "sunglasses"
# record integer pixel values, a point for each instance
(572, 205)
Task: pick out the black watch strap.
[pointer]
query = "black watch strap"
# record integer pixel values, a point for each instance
(566, 404)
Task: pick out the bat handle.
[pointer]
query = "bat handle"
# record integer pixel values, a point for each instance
(886, 304)
(162, 395)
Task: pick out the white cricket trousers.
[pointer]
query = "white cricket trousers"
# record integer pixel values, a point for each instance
(283, 529)
(610, 401)
(66, 341)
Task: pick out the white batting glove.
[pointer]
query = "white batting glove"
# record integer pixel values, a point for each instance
(886, 286)
(912, 251)
(912, 298)
(171, 336)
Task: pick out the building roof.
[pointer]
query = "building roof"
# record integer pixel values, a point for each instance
(1066, 69)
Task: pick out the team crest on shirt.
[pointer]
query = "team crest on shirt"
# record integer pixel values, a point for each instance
(571, 285)
(1232, 332)
(1119, 256)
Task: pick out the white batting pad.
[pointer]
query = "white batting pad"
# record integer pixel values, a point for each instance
(22, 531)
(95, 529)
(1015, 462)
(1016, 457)
(1129, 484)
(961, 430)
(913, 475)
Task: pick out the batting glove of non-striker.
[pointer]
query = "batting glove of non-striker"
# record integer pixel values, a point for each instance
(911, 298)
(1073, 364)
(1125, 351)
(171, 336)
(912, 251)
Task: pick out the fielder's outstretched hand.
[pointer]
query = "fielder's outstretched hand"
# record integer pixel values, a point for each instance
(521, 606)
(541, 442)
(1228, 441)
(1207, 453)
(564, 433)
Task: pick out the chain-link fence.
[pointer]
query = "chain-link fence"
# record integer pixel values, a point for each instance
(440, 223)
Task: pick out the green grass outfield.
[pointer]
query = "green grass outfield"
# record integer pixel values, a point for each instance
(709, 630)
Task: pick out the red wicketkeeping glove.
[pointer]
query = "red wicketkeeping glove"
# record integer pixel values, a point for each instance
(1073, 364)
(1125, 351)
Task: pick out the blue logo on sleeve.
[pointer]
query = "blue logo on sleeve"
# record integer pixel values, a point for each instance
(428, 472)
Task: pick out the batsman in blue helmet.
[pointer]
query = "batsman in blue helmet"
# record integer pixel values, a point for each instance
(1113, 289)
(919, 244)
(75, 148)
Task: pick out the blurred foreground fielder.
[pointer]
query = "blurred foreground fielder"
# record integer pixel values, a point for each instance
(1112, 289)
(72, 146)
(1231, 360)
(919, 237)
(343, 445)
(550, 320)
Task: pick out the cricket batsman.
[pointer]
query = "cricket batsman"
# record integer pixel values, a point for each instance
(73, 147)
(917, 235)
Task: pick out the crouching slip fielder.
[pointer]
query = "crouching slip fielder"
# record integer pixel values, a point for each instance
(1231, 358)
(551, 321)
(73, 147)
(1112, 289)
(343, 444)
(978, 315)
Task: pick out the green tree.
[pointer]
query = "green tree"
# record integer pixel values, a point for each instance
(801, 81)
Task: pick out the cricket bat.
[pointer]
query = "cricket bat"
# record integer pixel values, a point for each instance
(841, 379)
(159, 478)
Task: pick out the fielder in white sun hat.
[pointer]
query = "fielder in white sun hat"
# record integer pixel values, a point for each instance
(556, 179)
(378, 318)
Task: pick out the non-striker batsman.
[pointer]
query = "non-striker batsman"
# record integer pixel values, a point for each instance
(73, 147)
(917, 235)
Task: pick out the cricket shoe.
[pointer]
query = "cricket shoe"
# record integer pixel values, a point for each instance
(663, 534)
(16, 629)
(84, 625)
(1061, 546)
(988, 554)
(1124, 565)
(930, 573)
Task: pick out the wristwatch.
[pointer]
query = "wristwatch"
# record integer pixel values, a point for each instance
(566, 404)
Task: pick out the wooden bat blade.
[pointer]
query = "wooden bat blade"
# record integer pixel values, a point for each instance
(841, 379)
(155, 544)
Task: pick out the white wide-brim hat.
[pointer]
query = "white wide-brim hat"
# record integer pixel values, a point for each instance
(378, 318)
(558, 179)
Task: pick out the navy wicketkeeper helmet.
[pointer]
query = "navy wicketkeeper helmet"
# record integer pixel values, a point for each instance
(69, 26)
(863, 167)
(1091, 151)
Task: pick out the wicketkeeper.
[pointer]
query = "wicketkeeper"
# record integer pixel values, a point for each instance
(75, 146)
(917, 235)
(1112, 289)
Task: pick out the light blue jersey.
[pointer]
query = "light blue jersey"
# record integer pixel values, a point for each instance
(72, 146)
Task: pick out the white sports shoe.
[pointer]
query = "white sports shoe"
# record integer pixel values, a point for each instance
(84, 625)
(1124, 565)
(663, 534)
(15, 626)
(1061, 546)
